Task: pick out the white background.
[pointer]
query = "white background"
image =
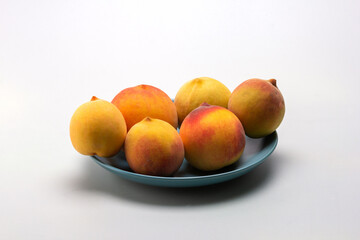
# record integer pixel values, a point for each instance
(55, 55)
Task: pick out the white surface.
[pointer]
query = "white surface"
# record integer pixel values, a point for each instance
(54, 55)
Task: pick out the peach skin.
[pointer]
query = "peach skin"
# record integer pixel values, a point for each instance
(138, 102)
(213, 137)
(259, 105)
(197, 91)
(154, 147)
(97, 128)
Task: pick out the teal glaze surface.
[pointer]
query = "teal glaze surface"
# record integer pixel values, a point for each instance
(255, 152)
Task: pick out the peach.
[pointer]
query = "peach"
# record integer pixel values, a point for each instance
(259, 105)
(97, 128)
(138, 102)
(154, 147)
(197, 91)
(213, 137)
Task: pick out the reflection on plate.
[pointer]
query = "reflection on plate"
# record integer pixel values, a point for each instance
(256, 151)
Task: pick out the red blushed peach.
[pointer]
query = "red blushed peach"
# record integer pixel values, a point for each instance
(136, 103)
(213, 137)
(154, 147)
(259, 105)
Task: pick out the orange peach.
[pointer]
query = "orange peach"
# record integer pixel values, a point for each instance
(259, 105)
(197, 91)
(136, 103)
(213, 137)
(97, 128)
(154, 147)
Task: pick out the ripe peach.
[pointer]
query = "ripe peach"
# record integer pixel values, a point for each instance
(97, 128)
(259, 105)
(213, 137)
(154, 147)
(197, 91)
(136, 103)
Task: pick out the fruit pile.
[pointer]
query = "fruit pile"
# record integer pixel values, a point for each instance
(142, 121)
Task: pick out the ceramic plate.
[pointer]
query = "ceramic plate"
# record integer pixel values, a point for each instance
(255, 152)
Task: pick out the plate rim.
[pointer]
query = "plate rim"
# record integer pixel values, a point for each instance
(189, 178)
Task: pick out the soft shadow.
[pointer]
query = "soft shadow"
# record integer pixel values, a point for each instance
(96, 179)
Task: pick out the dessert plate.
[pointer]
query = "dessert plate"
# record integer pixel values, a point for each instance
(255, 152)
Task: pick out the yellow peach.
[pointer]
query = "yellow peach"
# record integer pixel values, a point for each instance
(213, 137)
(97, 128)
(259, 105)
(154, 147)
(138, 102)
(197, 91)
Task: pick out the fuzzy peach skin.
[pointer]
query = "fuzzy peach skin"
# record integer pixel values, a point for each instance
(97, 128)
(197, 91)
(138, 102)
(154, 147)
(259, 105)
(213, 137)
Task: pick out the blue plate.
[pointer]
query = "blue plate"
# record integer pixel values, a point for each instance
(255, 152)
